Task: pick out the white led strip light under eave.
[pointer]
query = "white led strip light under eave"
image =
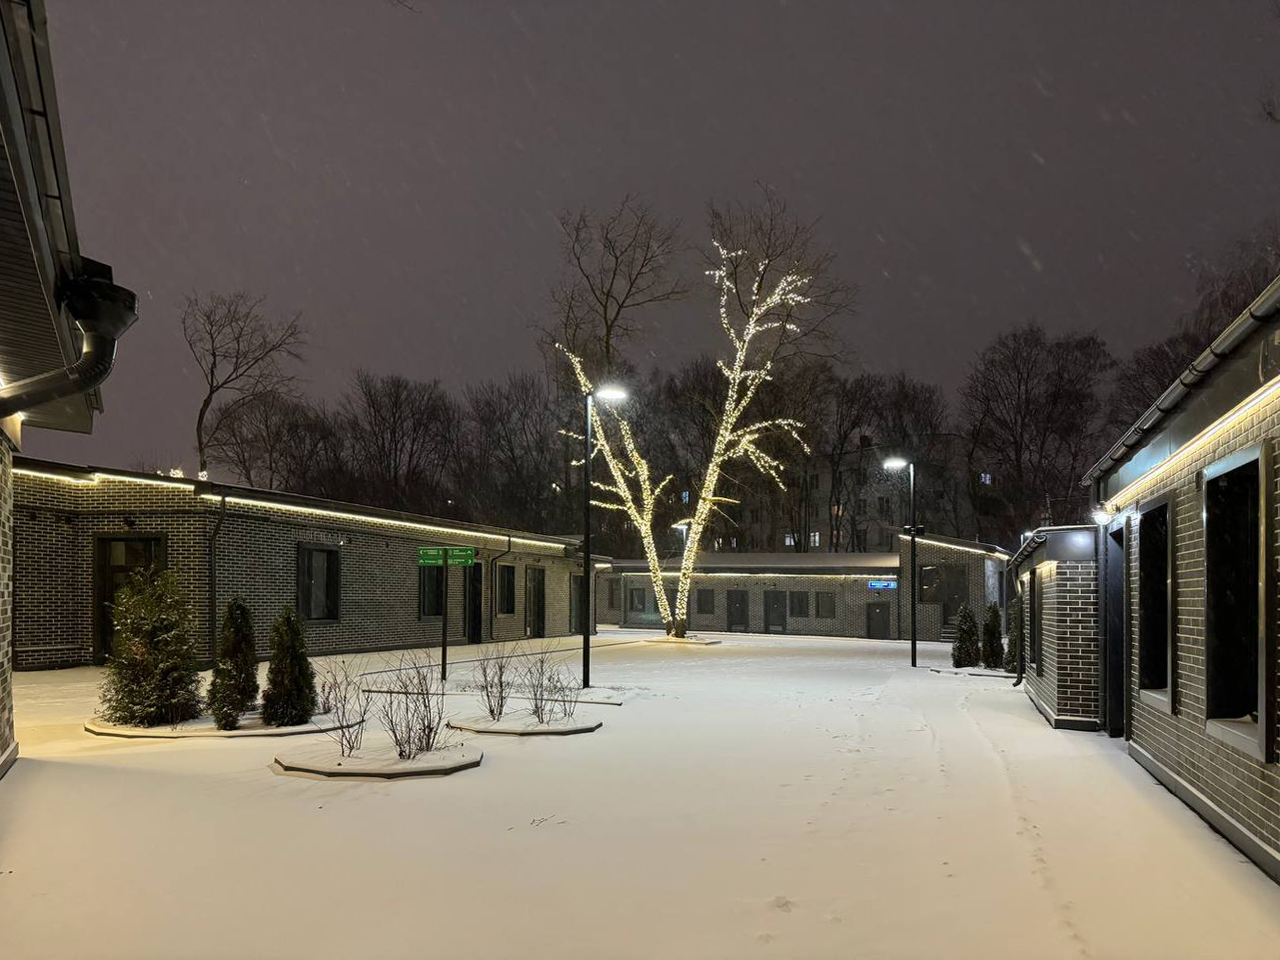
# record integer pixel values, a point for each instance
(955, 546)
(365, 518)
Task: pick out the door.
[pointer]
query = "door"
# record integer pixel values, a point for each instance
(738, 619)
(575, 603)
(115, 559)
(1112, 654)
(535, 602)
(878, 620)
(775, 611)
(473, 602)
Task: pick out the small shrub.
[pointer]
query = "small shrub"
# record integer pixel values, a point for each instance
(966, 651)
(343, 695)
(290, 698)
(566, 691)
(237, 647)
(1014, 650)
(412, 708)
(151, 677)
(495, 676)
(223, 700)
(553, 690)
(992, 641)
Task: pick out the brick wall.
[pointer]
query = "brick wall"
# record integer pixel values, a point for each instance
(1245, 788)
(982, 590)
(1064, 680)
(57, 523)
(8, 746)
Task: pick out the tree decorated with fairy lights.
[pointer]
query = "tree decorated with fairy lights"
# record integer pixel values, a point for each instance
(756, 320)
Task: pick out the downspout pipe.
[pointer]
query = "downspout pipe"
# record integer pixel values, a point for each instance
(213, 579)
(493, 584)
(103, 311)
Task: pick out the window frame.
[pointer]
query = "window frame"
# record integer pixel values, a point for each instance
(1161, 697)
(632, 606)
(817, 604)
(333, 585)
(709, 609)
(423, 573)
(792, 605)
(1253, 739)
(614, 593)
(506, 606)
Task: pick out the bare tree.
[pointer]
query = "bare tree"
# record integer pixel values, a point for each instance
(412, 707)
(241, 355)
(342, 688)
(495, 675)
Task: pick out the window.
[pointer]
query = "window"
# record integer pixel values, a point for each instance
(862, 506)
(613, 594)
(798, 603)
(788, 539)
(706, 601)
(635, 599)
(755, 514)
(826, 605)
(946, 584)
(319, 581)
(1235, 622)
(506, 588)
(1155, 641)
(430, 591)
(815, 539)
(984, 479)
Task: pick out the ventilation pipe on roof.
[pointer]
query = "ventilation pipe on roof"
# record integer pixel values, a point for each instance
(103, 311)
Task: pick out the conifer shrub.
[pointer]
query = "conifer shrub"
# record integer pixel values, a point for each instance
(992, 641)
(290, 697)
(238, 647)
(1014, 649)
(223, 700)
(967, 650)
(151, 675)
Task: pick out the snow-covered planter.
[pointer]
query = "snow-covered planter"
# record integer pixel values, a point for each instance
(203, 727)
(522, 723)
(377, 760)
(686, 641)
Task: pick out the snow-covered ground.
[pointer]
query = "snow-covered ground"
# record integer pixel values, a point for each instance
(766, 797)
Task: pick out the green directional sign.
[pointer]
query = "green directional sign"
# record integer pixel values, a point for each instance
(431, 556)
(461, 556)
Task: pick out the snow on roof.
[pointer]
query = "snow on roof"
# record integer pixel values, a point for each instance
(847, 563)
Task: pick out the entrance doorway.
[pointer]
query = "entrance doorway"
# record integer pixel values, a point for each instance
(739, 620)
(535, 602)
(775, 611)
(1112, 655)
(115, 558)
(878, 620)
(473, 602)
(575, 603)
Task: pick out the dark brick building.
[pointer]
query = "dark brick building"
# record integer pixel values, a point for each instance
(350, 571)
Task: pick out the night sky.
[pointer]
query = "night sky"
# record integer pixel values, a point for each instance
(395, 175)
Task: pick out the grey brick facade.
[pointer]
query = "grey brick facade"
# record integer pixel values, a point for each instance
(249, 548)
(1062, 671)
(8, 745)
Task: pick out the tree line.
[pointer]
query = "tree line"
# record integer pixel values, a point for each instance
(1035, 410)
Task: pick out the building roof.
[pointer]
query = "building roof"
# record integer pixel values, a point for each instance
(846, 564)
(1042, 535)
(976, 546)
(1264, 310)
(39, 251)
(252, 496)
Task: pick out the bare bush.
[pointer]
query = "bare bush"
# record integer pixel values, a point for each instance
(553, 691)
(349, 703)
(412, 708)
(495, 675)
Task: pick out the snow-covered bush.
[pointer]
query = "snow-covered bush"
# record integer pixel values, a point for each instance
(565, 693)
(966, 651)
(1014, 650)
(151, 676)
(236, 645)
(412, 708)
(223, 700)
(343, 695)
(553, 690)
(495, 675)
(992, 641)
(290, 698)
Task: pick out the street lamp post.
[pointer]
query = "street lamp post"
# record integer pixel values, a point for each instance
(604, 393)
(898, 463)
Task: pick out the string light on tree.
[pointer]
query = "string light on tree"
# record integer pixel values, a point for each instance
(633, 490)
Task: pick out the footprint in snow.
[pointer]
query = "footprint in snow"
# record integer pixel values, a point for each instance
(782, 903)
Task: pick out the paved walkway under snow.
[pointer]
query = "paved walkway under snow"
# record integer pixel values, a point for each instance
(762, 798)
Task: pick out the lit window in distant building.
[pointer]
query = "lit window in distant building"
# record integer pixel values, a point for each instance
(815, 539)
(788, 539)
(984, 478)
(684, 496)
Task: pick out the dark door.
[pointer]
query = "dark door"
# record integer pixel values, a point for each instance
(535, 602)
(116, 558)
(878, 620)
(575, 603)
(739, 619)
(775, 611)
(473, 602)
(1113, 643)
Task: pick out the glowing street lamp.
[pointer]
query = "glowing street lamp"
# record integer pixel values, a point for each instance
(1101, 516)
(607, 393)
(894, 464)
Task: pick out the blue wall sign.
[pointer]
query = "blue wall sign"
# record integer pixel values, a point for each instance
(882, 584)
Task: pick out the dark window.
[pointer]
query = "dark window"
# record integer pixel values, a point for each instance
(706, 601)
(635, 599)
(319, 582)
(430, 591)
(825, 604)
(613, 594)
(1232, 570)
(1035, 599)
(506, 588)
(1154, 641)
(946, 584)
(798, 603)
